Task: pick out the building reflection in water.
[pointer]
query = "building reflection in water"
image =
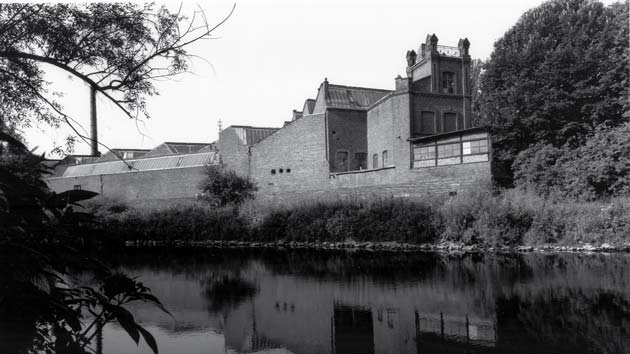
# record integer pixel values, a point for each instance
(466, 307)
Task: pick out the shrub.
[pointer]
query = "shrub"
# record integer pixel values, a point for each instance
(478, 216)
(598, 169)
(222, 187)
(343, 220)
(188, 223)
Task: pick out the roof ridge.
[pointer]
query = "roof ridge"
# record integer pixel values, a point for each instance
(183, 143)
(250, 127)
(359, 87)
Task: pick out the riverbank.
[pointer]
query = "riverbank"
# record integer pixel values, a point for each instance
(475, 221)
(447, 247)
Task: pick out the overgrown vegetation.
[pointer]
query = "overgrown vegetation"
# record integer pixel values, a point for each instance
(600, 168)
(480, 216)
(556, 77)
(222, 187)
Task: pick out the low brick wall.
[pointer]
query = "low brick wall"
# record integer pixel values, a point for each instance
(431, 179)
(174, 183)
(390, 182)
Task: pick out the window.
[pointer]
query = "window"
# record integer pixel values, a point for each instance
(448, 150)
(341, 161)
(448, 82)
(424, 153)
(375, 161)
(462, 149)
(76, 187)
(288, 170)
(280, 170)
(360, 159)
(385, 161)
(427, 122)
(475, 147)
(273, 171)
(450, 122)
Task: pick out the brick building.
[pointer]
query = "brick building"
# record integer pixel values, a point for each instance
(414, 139)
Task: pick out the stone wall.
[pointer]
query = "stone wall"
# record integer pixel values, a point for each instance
(174, 183)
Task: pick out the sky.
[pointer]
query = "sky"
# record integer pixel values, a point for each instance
(270, 56)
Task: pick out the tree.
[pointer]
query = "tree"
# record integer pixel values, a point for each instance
(476, 72)
(599, 168)
(223, 187)
(117, 49)
(561, 71)
(41, 308)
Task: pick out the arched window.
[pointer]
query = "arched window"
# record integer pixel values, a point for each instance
(448, 82)
(375, 161)
(385, 162)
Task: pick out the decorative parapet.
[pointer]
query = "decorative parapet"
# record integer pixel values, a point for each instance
(448, 51)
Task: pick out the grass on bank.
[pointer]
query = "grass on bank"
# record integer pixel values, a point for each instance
(480, 216)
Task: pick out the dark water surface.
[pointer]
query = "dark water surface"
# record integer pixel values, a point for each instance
(277, 302)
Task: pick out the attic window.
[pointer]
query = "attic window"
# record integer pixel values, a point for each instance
(273, 171)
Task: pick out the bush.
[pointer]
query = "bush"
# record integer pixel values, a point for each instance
(187, 223)
(344, 220)
(598, 169)
(222, 187)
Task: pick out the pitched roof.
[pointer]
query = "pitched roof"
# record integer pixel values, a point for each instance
(142, 164)
(252, 135)
(350, 97)
(116, 154)
(173, 148)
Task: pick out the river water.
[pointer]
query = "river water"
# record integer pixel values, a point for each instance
(280, 302)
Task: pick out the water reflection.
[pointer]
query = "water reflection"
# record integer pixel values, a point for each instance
(340, 303)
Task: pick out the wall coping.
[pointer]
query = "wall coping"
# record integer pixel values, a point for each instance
(333, 175)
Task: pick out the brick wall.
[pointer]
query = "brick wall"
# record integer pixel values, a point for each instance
(141, 185)
(419, 180)
(299, 147)
(232, 146)
(347, 132)
(388, 129)
(440, 104)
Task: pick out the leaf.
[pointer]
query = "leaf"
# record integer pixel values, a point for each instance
(126, 320)
(148, 337)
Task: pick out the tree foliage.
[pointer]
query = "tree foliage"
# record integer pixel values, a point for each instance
(561, 71)
(597, 169)
(118, 49)
(224, 187)
(42, 308)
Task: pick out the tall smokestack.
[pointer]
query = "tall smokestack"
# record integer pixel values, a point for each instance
(93, 130)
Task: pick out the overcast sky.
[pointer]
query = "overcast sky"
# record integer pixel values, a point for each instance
(272, 55)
